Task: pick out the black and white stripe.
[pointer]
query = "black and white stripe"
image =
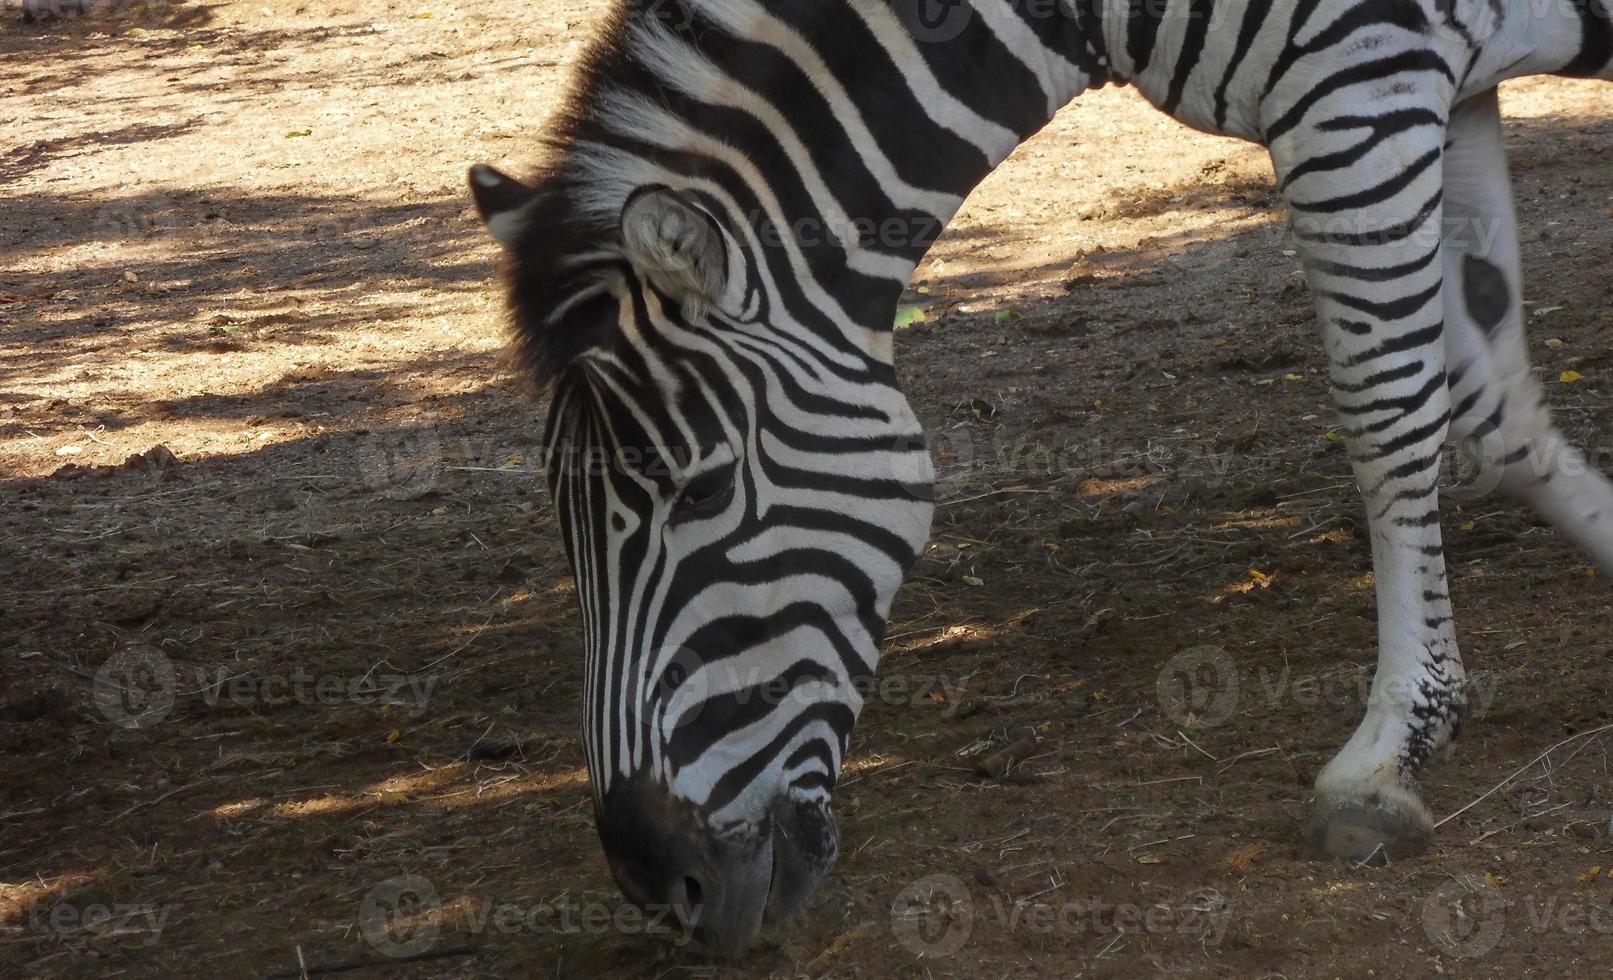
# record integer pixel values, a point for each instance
(704, 276)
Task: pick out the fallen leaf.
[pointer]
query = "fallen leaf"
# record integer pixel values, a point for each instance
(909, 315)
(1244, 858)
(299, 132)
(1569, 377)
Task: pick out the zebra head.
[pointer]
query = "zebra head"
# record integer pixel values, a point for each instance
(740, 500)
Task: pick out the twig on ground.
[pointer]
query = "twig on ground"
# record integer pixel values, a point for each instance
(1520, 771)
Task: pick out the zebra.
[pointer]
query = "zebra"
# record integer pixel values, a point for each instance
(703, 274)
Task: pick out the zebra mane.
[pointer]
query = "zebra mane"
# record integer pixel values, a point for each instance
(560, 275)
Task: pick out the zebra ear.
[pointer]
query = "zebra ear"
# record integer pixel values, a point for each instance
(675, 242)
(502, 201)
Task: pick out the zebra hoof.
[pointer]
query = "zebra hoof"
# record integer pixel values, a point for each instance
(1385, 825)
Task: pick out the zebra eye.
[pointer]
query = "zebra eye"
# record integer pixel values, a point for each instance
(706, 495)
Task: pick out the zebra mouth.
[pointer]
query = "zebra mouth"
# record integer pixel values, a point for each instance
(770, 883)
(717, 888)
(805, 842)
(773, 910)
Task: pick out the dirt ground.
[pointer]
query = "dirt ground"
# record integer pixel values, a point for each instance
(288, 660)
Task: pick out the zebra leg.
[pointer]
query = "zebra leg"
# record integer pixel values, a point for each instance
(1499, 416)
(1365, 196)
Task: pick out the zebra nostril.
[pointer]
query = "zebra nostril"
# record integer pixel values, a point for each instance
(686, 898)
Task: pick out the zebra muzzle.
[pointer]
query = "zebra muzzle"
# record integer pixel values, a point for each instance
(716, 886)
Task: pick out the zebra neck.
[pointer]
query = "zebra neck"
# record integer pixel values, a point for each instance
(866, 130)
(832, 140)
